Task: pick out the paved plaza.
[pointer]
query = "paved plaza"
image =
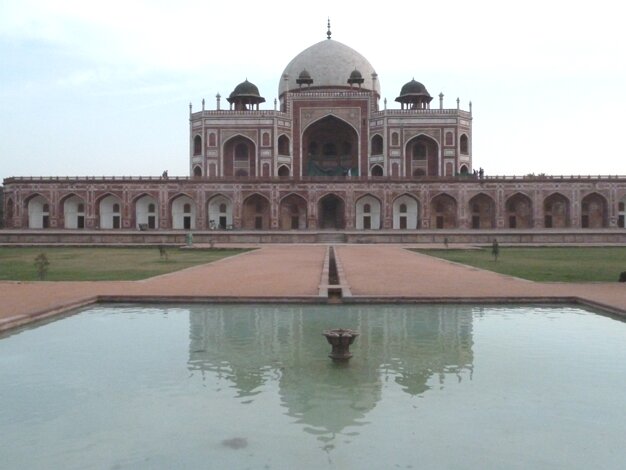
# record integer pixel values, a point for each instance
(297, 273)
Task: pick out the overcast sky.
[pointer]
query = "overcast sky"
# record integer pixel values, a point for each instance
(103, 88)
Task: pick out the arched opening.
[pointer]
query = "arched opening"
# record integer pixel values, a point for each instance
(110, 213)
(464, 170)
(283, 145)
(556, 211)
(395, 141)
(10, 212)
(519, 211)
(283, 171)
(377, 145)
(183, 213)
(74, 212)
(405, 213)
(256, 213)
(38, 212)
(331, 212)
(368, 213)
(443, 212)
(197, 145)
(220, 213)
(266, 139)
(464, 144)
(146, 213)
(376, 170)
(422, 153)
(449, 138)
(330, 148)
(621, 213)
(483, 212)
(197, 171)
(593, 213)
(239, 157)
(293, 213)
(212, 140)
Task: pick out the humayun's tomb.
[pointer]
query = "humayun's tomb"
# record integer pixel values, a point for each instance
(327, 163)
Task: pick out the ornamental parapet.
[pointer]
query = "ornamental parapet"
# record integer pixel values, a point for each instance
(314, 179)
(421, 112)
(228, 113)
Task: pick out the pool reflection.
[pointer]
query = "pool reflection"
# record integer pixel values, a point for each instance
(251, 346)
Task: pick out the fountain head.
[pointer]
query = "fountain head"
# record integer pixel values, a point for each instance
(340, 339)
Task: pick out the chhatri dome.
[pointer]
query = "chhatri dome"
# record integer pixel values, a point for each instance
(329, 63)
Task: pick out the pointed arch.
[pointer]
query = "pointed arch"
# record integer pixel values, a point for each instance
(464, 144)
(197, 145)
(594, 211)
(220, 212)
(38, 211)
(443, 211)
(331, 212)
(519, 211)
(74, 210)
(422, 156)
(376, 170)
(256, 212)
(482, 209)
(183, 211)
(146, 211)
(556, 211)
(376, 145)
(109, 211)
(284, 145)
(283, 171)
(368, 211)
(406, 212)
(621, 212)
(239, 154)
(293, 212)
(330, 147)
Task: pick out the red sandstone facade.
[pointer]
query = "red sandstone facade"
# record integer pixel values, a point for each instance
(326, 157)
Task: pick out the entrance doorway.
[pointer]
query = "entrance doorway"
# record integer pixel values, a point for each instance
(331, 213)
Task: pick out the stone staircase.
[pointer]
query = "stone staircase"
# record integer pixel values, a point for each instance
(331, 237)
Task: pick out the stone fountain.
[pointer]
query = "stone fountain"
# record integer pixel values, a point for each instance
(340, 339)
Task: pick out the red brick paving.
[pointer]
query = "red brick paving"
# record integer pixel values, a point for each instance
(282, 271)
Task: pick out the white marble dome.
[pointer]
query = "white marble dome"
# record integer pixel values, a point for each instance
(329, 64)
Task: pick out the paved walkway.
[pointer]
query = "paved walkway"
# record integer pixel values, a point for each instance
(296, 271)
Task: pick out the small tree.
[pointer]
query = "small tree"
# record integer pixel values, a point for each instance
(495, 249)
(42, 263)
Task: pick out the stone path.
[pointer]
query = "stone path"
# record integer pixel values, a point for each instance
(296, 272)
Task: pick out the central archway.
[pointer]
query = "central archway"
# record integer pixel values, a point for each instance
(330, 147)
(331, 212)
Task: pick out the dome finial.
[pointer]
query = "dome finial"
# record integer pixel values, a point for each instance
(328, 33)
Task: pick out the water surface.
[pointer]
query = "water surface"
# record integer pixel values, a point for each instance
(250, 386)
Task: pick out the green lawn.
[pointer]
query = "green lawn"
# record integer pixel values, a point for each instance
(565, 264)
(100, 264)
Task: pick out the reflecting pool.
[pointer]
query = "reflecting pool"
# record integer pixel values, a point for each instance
(251, 386)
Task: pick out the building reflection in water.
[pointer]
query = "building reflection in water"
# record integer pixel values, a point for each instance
(248, 346)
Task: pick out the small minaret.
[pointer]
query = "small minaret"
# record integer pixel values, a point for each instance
(202, 104)
(458, 103)
(328, 33)
(441, 100)
(218, 97)
(190, 108)
(470, 110)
